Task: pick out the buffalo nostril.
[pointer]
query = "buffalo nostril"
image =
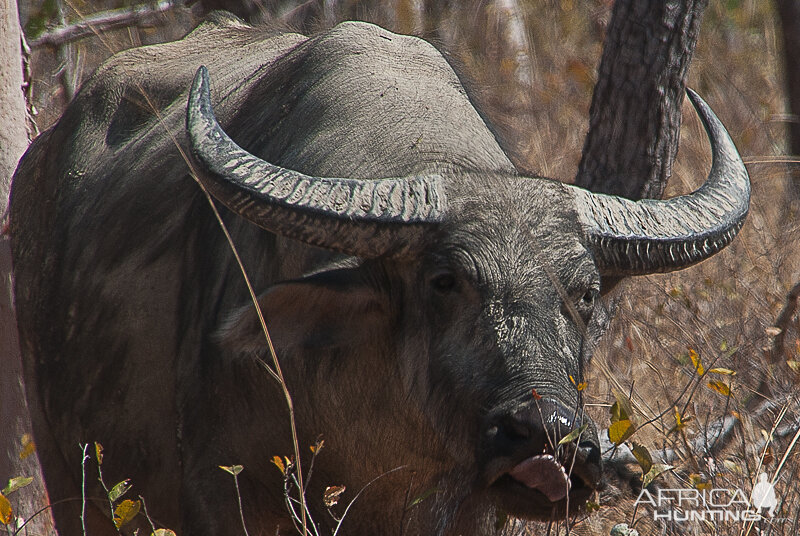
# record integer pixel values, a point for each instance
(517, 430)
(508, 431)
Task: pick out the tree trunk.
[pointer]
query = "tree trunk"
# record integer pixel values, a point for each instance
(789, 14)
(635, 114)
(14, 418)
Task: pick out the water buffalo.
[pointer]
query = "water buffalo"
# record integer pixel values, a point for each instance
(428, 304)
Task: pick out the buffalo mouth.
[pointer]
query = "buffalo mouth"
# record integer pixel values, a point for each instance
(544, 486)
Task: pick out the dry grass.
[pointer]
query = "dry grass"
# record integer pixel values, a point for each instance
(536, 84)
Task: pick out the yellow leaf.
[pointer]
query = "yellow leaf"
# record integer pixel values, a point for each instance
(579, 386)
(317, 446)
(232, 469)
(163, 532)
(720, 387)
(6, 512)
(279, 464)
(621, 409)
(125, 512)
(98, 451)
(642, 456)
(699, 482)
(680, 421)
(620, 431)
(725, 371)
(28, 446)
(794, 365)
(698, 365)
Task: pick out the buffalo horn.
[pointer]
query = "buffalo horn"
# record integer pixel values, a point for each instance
(646, 236)
(367, 218)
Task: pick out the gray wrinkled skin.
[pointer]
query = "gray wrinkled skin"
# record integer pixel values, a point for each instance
(138, 331)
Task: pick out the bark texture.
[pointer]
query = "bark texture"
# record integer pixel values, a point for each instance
(13, 135)
(789, 14)
(635, 114)
(14, 418)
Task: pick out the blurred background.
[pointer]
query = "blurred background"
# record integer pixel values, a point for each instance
(531, 65)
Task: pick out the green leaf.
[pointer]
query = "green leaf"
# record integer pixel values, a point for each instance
(119, 490)
(653, 473)
(18, 482)
(620, 431)
(573, 435)
(592, 506)
(642, 456)
(126, 511)
(163, 532)
(232, 469)
(425, 494)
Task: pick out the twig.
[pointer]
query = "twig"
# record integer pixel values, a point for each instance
(84, 457)
(147, 515)
(140, 15)
(368, 484)
(66, 72)
(239, 498)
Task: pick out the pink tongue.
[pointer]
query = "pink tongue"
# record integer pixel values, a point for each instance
(545, 474)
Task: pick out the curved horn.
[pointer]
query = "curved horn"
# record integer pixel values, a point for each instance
(367, 218)
(647, 236)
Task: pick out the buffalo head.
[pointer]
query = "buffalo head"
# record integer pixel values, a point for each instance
(480, 292)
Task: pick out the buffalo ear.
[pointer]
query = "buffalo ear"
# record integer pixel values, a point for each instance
(327, 309)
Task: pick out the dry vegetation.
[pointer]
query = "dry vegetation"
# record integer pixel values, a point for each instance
(533, 65)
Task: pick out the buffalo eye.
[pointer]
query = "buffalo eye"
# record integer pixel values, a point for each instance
(585, 302)
(443, 281)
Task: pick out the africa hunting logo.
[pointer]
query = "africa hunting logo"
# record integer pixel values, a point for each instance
(716, 504)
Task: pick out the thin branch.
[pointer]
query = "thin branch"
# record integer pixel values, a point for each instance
(64, 53)
(140, 15)
(239, 498)
(84, 458)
